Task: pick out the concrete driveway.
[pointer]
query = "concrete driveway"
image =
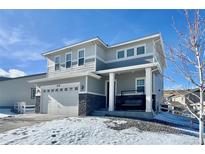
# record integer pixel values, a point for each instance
(13, 122)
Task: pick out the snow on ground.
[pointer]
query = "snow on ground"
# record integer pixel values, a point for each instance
(178, 120)
(89, 130)
(6, 113)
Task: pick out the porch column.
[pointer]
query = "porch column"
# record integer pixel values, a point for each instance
(148, 89)
(111, 91)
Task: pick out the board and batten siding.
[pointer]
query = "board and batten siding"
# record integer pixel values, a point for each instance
(89, 65)
(106, 58)
(126, 81)
(111, 52)
(17, 90)
(96, 85)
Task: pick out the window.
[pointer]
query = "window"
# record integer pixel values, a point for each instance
(120, 54)
(33, 93)
(130, 52)
(140, 85)
(68, 60)
(57, 63)
(81, 57)
(140, 50)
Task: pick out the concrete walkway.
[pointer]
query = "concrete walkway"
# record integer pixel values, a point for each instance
(13, 122)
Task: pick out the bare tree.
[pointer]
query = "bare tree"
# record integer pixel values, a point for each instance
(188, 59)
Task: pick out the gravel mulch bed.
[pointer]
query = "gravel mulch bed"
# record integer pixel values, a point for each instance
(123, 123)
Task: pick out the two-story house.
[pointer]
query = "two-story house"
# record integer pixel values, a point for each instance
(92, 75)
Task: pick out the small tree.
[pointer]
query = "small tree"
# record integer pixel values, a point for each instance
(188, 58)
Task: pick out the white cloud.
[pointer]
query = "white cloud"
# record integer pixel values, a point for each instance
(12, 73)
(69, 41)
(16, 44)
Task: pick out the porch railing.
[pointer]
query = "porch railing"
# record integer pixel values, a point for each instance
(128, 92)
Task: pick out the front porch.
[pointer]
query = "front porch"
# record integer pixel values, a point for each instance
(127, 97)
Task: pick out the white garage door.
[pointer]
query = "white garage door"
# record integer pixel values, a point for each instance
(60, 99)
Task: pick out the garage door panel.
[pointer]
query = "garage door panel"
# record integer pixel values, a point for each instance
(63, 100)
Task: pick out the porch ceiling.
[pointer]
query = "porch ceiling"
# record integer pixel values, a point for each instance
(126, 69)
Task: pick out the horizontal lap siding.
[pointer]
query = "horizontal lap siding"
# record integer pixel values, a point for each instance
(88, 67)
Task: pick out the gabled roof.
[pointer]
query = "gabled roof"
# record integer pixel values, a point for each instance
(102, 42)
(76, 44)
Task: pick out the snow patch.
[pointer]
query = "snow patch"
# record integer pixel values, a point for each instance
(88, 130)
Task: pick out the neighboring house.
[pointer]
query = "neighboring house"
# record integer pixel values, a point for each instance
(13, 90)
(91, 75)
(180, 98)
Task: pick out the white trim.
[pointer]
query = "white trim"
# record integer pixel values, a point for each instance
(70, 59)
(141, 45)
(90, 57)
(127, 68)
(86, 83)
(129, 49)
(139, 78)
(65, 76)
(99, 58)
(74, 45)
(136, 40)
(118, 52)
(57, 56)
(132, 47)
(123, 59)
(88, 92)
(83, 57)
(97, 39)
(131, 57)
(95, 57)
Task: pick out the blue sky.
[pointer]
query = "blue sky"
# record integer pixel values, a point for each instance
(25, 34)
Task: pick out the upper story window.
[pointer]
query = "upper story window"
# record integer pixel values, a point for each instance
(81, 57)
(140, 50)
(68, 59)
(57, 63)
(130, 52)
(140, 85)
(121, 54)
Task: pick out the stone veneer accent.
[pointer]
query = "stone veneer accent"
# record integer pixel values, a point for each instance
(90, 102)
(38, 101)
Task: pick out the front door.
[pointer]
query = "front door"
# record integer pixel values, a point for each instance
(107, 92)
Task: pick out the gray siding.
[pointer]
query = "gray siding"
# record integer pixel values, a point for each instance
(15, 90)
(126, 81)
(96, 85)
(158, 87)
(89, 61)
(137, 61)
(69, 80)
(111, 53)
